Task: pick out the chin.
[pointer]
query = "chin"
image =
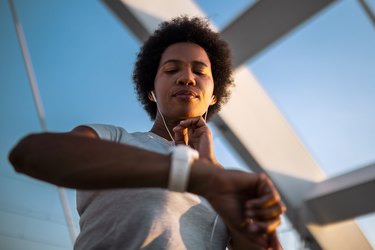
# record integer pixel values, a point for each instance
(186, 112)
(189, 115)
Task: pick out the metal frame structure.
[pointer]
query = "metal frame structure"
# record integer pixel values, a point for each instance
(317, 207)
(41, 114)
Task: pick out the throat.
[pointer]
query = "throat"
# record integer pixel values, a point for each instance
(163, 128)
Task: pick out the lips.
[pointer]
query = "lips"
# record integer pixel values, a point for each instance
(185, 94)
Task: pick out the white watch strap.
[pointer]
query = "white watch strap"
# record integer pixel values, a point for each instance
(182, 158)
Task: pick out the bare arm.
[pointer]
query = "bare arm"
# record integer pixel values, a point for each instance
(79, 160)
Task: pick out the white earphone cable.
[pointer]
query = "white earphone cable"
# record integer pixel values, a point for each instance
(213, 230)
(162, 117)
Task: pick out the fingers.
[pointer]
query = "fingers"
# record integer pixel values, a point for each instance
(193, 122)
(193, 132)
(265, 213)
(182, 130)
(180, 135)
(261, 227)
(265, 208)
(267, 197)
(264, 201)
(262, 214)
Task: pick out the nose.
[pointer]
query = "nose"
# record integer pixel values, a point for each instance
(186, 78)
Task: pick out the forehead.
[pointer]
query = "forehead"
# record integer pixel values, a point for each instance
(186, 53)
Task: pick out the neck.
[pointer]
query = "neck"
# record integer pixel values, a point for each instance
(160, 129)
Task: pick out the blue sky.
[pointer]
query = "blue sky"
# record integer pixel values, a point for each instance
(321, 76)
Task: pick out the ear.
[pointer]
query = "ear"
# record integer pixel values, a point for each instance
(150, 97)
(213, 100)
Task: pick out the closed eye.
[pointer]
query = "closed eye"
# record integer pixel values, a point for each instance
(170, 71)
(201, 71)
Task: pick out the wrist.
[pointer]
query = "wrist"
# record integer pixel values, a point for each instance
(202, 174)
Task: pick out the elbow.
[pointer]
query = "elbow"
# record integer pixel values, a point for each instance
(34, 155)
(19, 154)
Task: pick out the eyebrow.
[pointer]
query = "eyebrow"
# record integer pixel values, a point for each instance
(180, 62)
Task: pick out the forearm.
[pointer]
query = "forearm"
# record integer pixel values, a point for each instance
(80, 162)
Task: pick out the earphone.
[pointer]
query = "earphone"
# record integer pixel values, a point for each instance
(213, 97)
(162, 117)
(152, 97)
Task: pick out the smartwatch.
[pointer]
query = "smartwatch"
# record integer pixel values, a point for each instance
(182, 158)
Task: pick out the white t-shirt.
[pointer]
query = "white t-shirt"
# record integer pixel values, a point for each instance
(145, 218)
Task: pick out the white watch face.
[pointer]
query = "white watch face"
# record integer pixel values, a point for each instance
(182, 157)
(185, 153)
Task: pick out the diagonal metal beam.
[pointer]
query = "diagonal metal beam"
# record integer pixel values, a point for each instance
(367, 9)
(265, 141)
(143, 16)
(265, 22)
(127, 16)
(356, 187)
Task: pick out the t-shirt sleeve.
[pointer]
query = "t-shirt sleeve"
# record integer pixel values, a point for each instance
(109, 132)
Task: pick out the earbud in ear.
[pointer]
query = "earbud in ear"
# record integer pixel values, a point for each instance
(151, 96)
(213, 100)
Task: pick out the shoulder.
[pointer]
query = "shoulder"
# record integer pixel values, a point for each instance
(85, 131)
(101, 131)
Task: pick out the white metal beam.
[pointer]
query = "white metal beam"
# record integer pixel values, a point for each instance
(343, 197)
(143, 16)
(265, 22)
(251, 122)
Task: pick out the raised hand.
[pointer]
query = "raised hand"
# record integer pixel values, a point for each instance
(195, 133)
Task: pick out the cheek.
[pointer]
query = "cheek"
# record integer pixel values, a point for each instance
(158, 86)
(160, 89)
(161, 81)
(210, 87)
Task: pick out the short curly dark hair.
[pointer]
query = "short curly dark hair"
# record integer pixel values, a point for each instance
(183, 29)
